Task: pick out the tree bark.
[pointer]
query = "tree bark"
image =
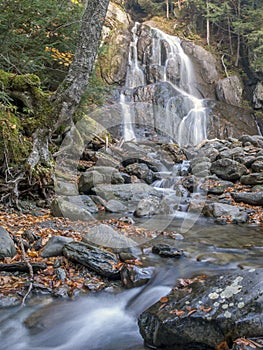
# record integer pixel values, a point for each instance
(69, 93)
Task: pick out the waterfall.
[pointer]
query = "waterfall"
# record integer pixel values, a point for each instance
(183, 115)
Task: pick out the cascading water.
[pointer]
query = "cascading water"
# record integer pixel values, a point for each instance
(184, 114)
(134, 77)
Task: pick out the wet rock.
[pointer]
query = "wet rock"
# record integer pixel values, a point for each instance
(135, 276)
(217, 210)
(252, 198)
(105, 235)
(54, 246)
(166, 251)
(252, 179)
(147, 207)
(142, 171)
(114, 206)
(204, 314)
(98, 260)
(128, 194)
(62, 208)
(228, 169)
(9, 300)
(7, 246)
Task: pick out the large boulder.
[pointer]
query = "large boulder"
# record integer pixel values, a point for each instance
(252, 179)
(63, 208)
(128, 194)
(107, 236)
(99, 175)
(253, 198)
(7, 246)
(230, 90)
(203, 314)
(228, 169)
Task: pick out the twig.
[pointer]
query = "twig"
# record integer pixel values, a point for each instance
(31, 272)
(223, 64)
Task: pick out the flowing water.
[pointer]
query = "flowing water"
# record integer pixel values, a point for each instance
(184, 112)
(108, 320)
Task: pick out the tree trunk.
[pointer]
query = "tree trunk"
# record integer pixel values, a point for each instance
(167, 9)
(238, 35)
(69, 93)
(207, 24)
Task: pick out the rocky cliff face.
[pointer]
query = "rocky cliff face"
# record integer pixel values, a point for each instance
(155, 89)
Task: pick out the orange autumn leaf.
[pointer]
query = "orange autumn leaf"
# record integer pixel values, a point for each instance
(164, 300)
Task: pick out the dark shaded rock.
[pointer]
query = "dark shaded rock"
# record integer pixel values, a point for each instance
(135, 276)
(252, 198)
(114, 206)
(228, 169)
(219, 187)
(200, 316)
(257, 166)
(62, 208)
(142, 171)
(54, 246)
(7, 246)
(105, 235)
(232, 153)
(252, 179)
(166, 251)
(254, 140)
(98, 260)
(147, 207)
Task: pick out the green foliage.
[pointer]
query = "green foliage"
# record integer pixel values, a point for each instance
(28, 27)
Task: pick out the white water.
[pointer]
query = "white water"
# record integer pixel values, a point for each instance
(185, 114)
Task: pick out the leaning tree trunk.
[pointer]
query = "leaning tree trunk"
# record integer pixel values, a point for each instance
(69, 93)
(67, 98)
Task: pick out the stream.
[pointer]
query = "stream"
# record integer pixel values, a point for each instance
(108, 319)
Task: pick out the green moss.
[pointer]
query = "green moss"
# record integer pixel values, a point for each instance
(14, 145)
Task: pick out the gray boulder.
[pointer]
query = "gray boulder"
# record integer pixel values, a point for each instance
(107, 236)
(230, 90)
(252, 198)
(206, 313)
(99, 175)
(257, 166)
(62, 208)
(7, 246)
(114, 206)
(128, 194)
(252, 179)
(147, 207)
(54, 246)
(228, 169)
(219, 210)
